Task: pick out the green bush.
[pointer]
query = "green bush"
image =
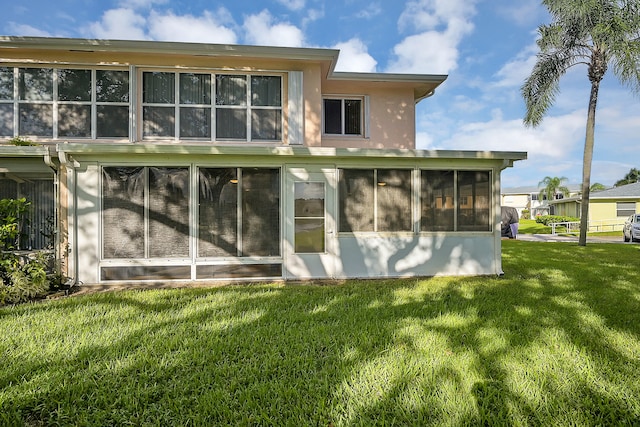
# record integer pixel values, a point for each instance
(22, 277)
(548, 219)
(525, 214)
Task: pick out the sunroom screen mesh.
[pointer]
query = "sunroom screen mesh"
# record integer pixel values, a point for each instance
(260, 212)
(474, 196)
(123, 191)
(394, 200)
(218, 212)
(356, 200)
(168, 212)
(436, 200)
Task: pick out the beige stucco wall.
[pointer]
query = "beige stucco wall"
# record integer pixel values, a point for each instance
(391, 120)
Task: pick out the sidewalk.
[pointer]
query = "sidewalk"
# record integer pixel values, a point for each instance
(559, 238)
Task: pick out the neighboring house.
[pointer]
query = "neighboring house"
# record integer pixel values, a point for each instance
(181, 161)
(607, 208)
(528, 198)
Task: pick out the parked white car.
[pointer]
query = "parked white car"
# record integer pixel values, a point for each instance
(631, 229)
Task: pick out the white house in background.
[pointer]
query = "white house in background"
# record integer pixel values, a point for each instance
(180, 161)
(528, 198)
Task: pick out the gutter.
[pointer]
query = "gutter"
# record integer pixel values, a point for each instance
(70, 165)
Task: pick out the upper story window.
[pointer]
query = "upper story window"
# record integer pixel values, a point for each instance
(212, 106)
(343, 116)
(64, 103)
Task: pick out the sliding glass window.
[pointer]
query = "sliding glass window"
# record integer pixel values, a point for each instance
(221, 107)
(64, 103)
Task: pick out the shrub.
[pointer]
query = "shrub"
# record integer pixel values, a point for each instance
(22, 277)
(525, 214)
(548, 219)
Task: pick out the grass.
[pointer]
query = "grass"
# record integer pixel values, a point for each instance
(555, 341)
(530, 226)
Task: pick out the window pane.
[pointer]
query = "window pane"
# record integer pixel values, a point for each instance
(74, 85)
(74, 121)
(195, 88)
(231, 123)
(113, 121)
(123, 191)
(195, 122)
(333, 116)
(218, 212)
(6, 83)
(168, 212)
(266, 125)
(231, 90)
(35, 84)
(394, 200)
(159, 121)
(260, 212)
(309, 217)
(265, 91)
(158, 88)
(6, 119)
(356, 200)
(474, 201)
(625, 208)
(309, 199)
(436, 200)
(36, 119)
(352, 116)
(112, 86)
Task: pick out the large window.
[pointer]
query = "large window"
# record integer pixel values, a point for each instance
(64, 103)
(375, 200)
(185, 105)
(455, 200)
(343, 116)
(239, 212)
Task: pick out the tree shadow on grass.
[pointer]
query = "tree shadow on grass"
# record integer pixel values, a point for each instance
(552, 342)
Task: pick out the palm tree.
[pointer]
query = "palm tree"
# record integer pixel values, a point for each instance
(552, 186)
(599, 34)
(630, 178)
(596, 186)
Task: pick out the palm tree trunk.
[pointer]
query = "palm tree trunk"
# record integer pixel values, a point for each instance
(586, 161)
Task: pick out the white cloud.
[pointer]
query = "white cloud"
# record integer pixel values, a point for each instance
(441, 26)
(140, 4)
(554, 138)
(426, 53)
(27, 30)
(354, 57)
(123, 24)
(261, 30)
(293, 4)
(207, 28)
(371, 11)
(516, 71)
(425, 15)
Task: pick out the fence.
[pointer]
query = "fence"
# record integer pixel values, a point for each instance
(599, 226)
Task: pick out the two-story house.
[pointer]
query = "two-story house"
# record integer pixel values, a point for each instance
(179, 161)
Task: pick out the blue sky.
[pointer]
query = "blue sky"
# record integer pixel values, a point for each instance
(487, 47)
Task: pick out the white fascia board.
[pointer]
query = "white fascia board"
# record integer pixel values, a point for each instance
(161, 47)
(23, 151)
(281, 151)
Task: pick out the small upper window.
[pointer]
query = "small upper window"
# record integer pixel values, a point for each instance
(343, 116)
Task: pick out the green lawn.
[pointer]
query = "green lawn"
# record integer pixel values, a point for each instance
(556, 341)
(530, 226)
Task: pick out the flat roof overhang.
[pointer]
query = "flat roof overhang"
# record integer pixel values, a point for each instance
(330, 154)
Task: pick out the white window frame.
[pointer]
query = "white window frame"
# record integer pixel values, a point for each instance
(55, 103)
(248, 107)
(364, 115)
